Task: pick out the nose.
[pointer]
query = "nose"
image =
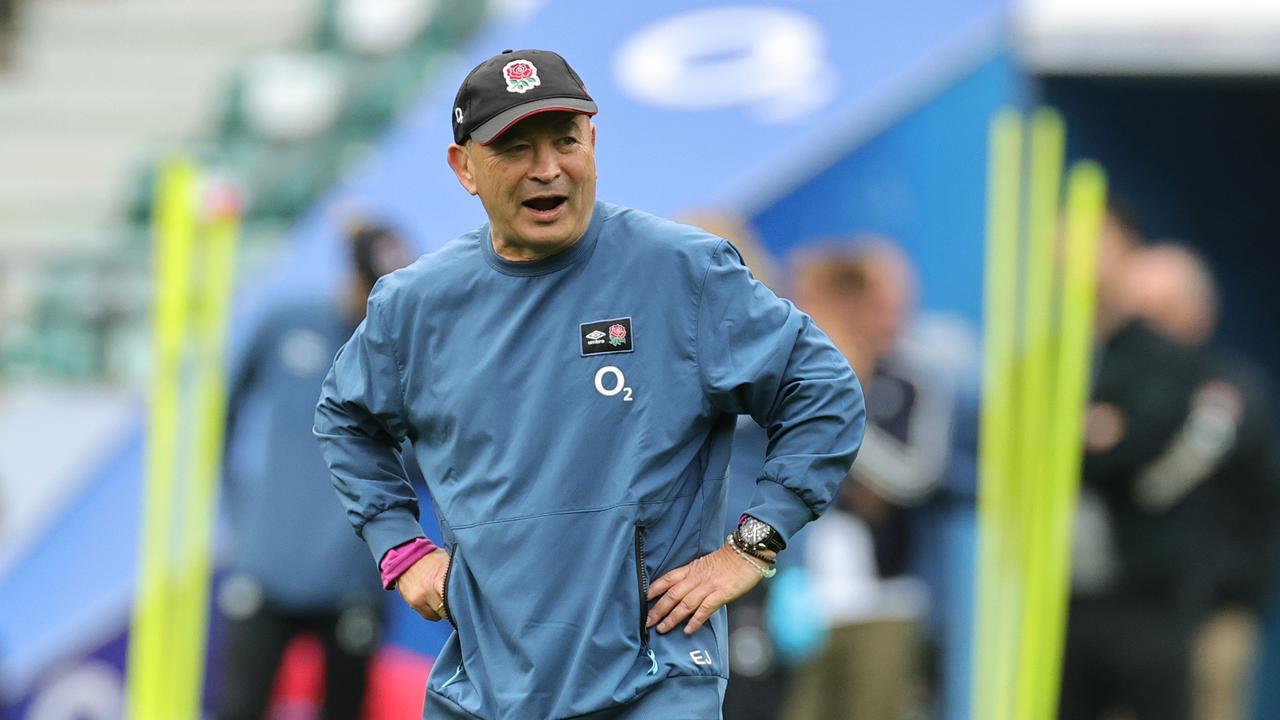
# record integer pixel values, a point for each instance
(545, 165)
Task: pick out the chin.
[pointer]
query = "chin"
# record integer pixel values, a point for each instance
(550, 236)
(549, 241)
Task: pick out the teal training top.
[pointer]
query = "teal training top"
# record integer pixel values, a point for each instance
(573, 417)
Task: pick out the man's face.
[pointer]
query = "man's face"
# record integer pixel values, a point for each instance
(537, 182)
(862, 302)
(1172, 291)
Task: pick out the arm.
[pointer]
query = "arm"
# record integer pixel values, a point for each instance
(1142, 400)
(361, 423)
(761, 356)
(243, 379)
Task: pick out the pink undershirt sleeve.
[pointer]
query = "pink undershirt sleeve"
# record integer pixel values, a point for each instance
(401, 557)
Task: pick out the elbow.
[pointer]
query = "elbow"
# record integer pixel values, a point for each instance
(323, 421)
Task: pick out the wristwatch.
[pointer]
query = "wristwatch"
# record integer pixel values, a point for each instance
(757, 535)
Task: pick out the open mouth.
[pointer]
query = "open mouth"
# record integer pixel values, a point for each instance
(546, 204)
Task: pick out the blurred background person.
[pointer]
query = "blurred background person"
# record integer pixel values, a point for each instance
(1227, 450)
(1140, 572)
(296, 566)
(861, 555)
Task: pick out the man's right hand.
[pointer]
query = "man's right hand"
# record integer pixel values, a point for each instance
(422, 585)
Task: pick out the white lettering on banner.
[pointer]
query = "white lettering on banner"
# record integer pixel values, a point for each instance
(618, 384)
(91, 691)
(771, 60)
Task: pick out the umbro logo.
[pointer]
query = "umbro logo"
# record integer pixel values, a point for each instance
(606, 336)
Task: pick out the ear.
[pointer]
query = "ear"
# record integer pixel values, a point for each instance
(460, 161)
(593, 134)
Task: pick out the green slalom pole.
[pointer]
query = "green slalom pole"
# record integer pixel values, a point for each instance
(993, 658)
(1036, 409)
(210, 316)
(1086, 202)
(150, 681)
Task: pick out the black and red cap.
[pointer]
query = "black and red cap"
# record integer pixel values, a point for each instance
(511, 86)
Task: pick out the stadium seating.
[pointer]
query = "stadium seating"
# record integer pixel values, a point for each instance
(305, 87)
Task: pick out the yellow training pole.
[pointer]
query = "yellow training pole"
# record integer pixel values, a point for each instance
(1086, 201)
(993, 660)
(1035, 400)
(149, 680)
(210, 315)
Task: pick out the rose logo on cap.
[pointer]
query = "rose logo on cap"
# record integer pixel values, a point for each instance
(521, 76)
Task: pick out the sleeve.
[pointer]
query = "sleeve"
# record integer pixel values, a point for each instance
(1153, 397)
(360, 423)
(243, 378)
(759, 355)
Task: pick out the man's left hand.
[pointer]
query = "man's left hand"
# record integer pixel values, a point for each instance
(699, 589)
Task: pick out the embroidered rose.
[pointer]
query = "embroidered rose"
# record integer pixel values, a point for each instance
(519, 70)
(521, 76)
(617, 335)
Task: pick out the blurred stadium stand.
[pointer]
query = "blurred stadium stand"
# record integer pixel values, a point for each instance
(273, 97)
(93, 84)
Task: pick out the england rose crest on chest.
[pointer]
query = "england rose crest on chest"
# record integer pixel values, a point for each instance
(606, 336)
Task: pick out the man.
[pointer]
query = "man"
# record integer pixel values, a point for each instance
(1224, 455)
(569, 374)
(295, 567)
(862, 555)
(1136, 590)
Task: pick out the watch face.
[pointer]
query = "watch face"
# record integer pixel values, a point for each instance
(753, 531)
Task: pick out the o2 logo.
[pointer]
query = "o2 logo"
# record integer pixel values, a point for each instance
(771, 61)
(610, 382)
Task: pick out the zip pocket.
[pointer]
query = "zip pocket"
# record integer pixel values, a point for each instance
(444, 588)
(642, 581)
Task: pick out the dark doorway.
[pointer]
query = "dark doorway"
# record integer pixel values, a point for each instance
(1198, 160)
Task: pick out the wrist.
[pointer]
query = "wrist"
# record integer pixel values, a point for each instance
(401, 558)
(764, 567)
(758, 539)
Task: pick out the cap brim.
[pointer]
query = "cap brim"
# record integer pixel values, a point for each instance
(500, 123)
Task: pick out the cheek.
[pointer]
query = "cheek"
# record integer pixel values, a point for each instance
(498, 190)
(581, 169)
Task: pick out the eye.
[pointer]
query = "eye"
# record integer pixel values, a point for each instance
(514, 148)
(567, 141)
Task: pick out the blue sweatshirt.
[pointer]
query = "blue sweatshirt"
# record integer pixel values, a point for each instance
(287, 531)
(573, 417)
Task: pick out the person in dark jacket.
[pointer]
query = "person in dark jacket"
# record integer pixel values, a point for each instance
(1136, 598)
(296, 566)
(1226, 453)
